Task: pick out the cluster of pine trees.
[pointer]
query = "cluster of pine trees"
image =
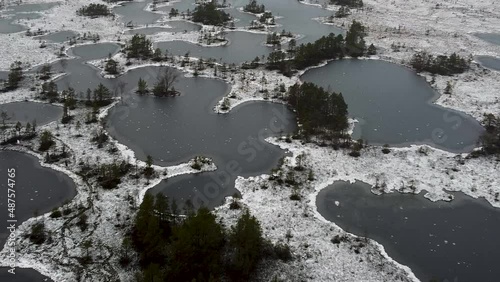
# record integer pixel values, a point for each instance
(111, 66)
(273, 39)
(94, 10)
(11, 134)
(253, 7)
(343, 12)
(207, 13)
(68, 98)
(100, 97)
(109, 175)
(49, 91)
(490, 140)
(163, 87)
(173, 13)
(194, 247)
(267, 18)
(15, 76)
(139, 47)
(326, 48)
(319, 111)
(443, 65)
(348, 3)
(45, 72)
(46, 140)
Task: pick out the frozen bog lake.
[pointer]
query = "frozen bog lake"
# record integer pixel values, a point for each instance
(489, 62)
(22, 275)
(31, 111)
(60, 36)
(493, 38)
(394, 105)
(242, 46)
(447, 241)
(176, 129)
(38, 189)
(15, 12)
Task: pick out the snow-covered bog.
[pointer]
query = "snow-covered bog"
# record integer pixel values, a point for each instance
(432, 25)
(309, 234)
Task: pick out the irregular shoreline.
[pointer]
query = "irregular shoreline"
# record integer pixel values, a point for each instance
(474, 93)
(107, 201)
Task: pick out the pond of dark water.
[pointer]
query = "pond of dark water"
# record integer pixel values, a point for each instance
(493, 38)
(22, 275)
(37, 189)
(60, 36)
(446, 241)
(29, 111)
(489, 62)
(394, 105)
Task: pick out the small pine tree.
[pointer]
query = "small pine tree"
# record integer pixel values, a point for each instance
(354, 40)
(142, 87)
(101, 94)
(4, 116)
(46, 141)
(246, 240)
(225, 104)
(111, 66)
(149, 170)
(164, 86)
(371, 50)
(15, 76)
(448, 88)
(157, 55)
(139, 47)
(45, 72)
(37, 235)
(27, 129)
(173, 13)
(19, 126)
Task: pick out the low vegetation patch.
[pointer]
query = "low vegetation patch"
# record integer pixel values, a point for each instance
(139, 47)
(253, 7)
(15, 76)
(46, 141)
(208, 14)
(326, 48)
(38, 234)
(490, 140)
(348, 3)
(442, 64)
(319, 112)
(94, 10)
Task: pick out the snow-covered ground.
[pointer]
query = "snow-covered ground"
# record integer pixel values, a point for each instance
(407, 170)
(416, 25)
(18, 47)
